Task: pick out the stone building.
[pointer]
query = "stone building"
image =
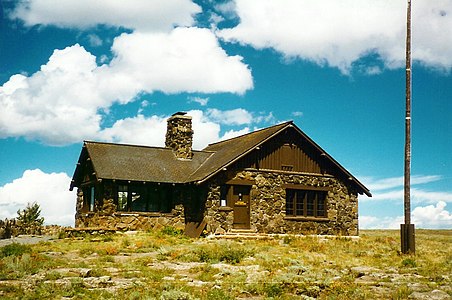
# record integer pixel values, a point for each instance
(274, 180)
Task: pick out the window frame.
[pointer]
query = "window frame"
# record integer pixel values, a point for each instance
(306, 202)
(156, 199)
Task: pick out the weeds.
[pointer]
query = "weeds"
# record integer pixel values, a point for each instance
(14, 249)
(223, 252)
(167, 265)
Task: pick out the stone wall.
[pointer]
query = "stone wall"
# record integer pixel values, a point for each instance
(105, 216)
(268, 206)
(179, 136)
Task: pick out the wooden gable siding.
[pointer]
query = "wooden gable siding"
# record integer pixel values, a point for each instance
(286, 152)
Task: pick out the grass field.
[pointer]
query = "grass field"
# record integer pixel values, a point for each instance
(168, 265)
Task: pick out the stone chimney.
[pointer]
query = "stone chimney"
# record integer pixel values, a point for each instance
(179, 135)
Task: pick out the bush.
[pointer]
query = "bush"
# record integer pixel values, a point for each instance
(171, 231)
(224, 252)
(14, 249)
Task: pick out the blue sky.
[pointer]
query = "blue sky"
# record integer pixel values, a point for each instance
(115, 70)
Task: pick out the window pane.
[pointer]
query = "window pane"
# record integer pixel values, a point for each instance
(92, 198)
(138, 200)
(289, 202)
(310, 203)
(153, 200)
(122, 200)
(300, 195)
(165, 200)
(321, 197)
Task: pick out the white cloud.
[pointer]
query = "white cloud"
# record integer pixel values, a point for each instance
(94, 40)
(50, 191)
(338, 33)
(234, 133)
(238, 116)
(155, 15)
(392, 189)
(427, 217)
(185, 60)
(137, 130)
(57, 104)
(392, 182)
(372, 222)
(200, 100)
(60, 103)
(151, 130)
(432, 216)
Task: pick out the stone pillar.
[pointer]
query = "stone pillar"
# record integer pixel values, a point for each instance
(179, 135)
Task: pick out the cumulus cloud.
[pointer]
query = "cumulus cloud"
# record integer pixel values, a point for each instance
(432, 216)
(234, 133)
(427, 217)
(56, 105)
(151, 130)
(62, 102)
(50, 191)
(160, 15)
(372, 222)
(185, 60)
(338, 33)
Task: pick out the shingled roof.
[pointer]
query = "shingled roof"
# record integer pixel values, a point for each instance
(154, 164)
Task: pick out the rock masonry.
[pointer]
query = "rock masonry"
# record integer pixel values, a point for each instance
(267, 206)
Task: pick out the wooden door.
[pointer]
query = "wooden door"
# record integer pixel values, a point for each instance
(241, 204)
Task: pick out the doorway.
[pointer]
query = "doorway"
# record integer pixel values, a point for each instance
(241, 204)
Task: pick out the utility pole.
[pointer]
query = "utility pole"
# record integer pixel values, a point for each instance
(407, 229)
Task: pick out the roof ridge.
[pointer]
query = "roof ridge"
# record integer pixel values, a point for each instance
(252, 132)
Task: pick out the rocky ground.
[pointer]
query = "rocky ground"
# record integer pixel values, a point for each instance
(171, 269)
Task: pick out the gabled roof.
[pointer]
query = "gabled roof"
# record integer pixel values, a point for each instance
(154, 164)
(229, 151)
(138, 163)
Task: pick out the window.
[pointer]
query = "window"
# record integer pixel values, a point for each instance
(144, 198)
(306, 203)
(89, 198)
(123, 194)
(92, 199)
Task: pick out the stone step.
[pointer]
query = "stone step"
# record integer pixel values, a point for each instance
(241, 231)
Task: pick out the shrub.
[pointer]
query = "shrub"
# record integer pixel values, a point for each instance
(273, 290)
(14, 249)
(171, 231)
(224, 252)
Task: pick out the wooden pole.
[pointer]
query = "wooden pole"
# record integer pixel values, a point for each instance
(407, 229)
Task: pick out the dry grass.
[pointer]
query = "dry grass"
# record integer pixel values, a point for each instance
(166, 265)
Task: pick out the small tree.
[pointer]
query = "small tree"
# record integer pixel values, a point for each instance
(29, 220)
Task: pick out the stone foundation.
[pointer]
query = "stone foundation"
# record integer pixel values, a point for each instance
(267, 204)
(107, 217)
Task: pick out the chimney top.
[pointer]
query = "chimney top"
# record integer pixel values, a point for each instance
(179, 135)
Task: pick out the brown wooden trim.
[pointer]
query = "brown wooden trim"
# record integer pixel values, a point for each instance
(300, 218)
(240, 182)
(306, 187)
(290, 172)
